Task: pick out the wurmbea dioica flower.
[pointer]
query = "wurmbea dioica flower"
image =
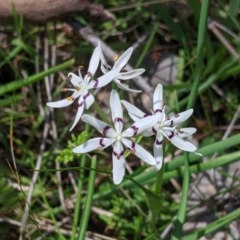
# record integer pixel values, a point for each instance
(123, 75)
(167, 127)
(83, 85)
(118, 138)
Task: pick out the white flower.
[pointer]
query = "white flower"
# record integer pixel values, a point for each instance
(82, 85)
(166, 127)
(118, 137)
(123, 75)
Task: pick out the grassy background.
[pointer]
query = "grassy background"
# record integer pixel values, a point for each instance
(69, 201)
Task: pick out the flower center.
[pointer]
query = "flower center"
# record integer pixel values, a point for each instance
(118, 137)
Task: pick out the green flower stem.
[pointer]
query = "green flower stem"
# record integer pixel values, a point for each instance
(101, 113)
(88, 202)
(177, 232)
(159, 180)
(79, 194)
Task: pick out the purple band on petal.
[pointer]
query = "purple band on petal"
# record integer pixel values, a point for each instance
(96, 83)
(158, 110)
(118, 155)
(145, 115)
(172, 134)
(84, 97)
(171, 123)
(101, 142)
(118, 120)
(154, 130)
(135, 129)
(159, 142)
(80, 104)
(70, 77)
(105, 130)
(133, 145)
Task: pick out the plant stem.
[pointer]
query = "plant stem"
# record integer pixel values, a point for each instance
(88, 202)
(159, 180)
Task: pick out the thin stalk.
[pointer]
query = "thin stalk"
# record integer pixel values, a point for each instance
(101, 113)
(88, 203)
(79, 196)
(192, 99)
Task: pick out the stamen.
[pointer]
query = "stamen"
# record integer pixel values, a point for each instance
(63, 89)
(80, 68)
(176, 115)
(78, 88)
(70, 98)
(115, 58)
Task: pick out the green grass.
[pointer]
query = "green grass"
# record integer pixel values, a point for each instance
(84, 201)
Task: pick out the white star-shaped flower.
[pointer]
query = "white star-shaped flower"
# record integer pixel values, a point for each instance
(118, 138)
(83, 85)
(123, 75)
(167, 127)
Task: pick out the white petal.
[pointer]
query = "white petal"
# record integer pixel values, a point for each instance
(130, 74)
(158, 151)
(62, 103)
(88, 99)
(79, 112)
(94, 62)
(74, 79)
(179, 142)
(101, 126)
(125, 87)
(141, 125)
(92, 144)
(103, 80)
(116, 109)
(123, 59)
(132, 109)
(118, 163)
(158, 99)
(139, 151)
(178, 118)
(184, 132)
(104, 65)
(133, 117)
(149, 132)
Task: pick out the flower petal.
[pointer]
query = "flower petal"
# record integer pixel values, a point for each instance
(62, 103)
(101, 126)
(141, 125)
(139, 151)
(118, 161)
(178, 118)
(79, 112)
(123, 59)
(179, 142)
(184, 132)
(132, 109)
(103, 80)
(88, 99)
(93, 65)
(130, 74)
(125, 86)
(116, 109)
(93, 144)
(158, 151)
(158, 99)
(74, 79)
